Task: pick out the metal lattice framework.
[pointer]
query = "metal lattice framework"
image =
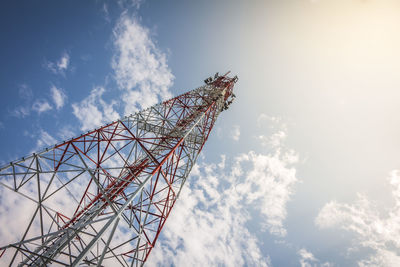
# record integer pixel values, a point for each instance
(102, 198)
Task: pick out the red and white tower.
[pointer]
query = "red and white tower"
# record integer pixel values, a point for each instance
(102, 198)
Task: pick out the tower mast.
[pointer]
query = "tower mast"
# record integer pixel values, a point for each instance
(103, 197)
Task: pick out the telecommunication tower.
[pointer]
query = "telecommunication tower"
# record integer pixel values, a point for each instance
(102, 198)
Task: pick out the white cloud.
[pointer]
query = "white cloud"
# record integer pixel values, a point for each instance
(307, 259)
(13, 220)
(24, 110)
(41, 106)
(58, 96)
(261, 119)
(264, 140)
(127, 4)
(21, 112)
(235, 132)
(273, 140)
(63, 63)
(66, 132)
(25, 93)
(271, 121)
(268, 186)
(140, 71)
(93, 111)
(209, 224)
(275, 129)
(379, 233)
(106, 13)
(140, 68)
(44, 140)
(60, 66)
(222, 163)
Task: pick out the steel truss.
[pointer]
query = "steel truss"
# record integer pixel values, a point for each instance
(102, 198)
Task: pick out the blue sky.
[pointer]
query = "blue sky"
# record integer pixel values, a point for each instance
(300, 171)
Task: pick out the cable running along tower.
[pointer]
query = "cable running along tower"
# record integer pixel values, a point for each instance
(101, 199)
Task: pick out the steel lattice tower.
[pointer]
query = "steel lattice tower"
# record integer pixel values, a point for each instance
(101, 199)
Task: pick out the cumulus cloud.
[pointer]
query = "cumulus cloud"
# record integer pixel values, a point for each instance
(93, 111)
(41, 106)
(21, 111)
(307, 259)
(271, 121)
(274, 131)
(13, 219)
(222, 163)
(261, 119)
(26, 96)
(209, 224)
(60, 66)
(44, 139)
(66, 132)
(268, 186)
(273, 140)
(25, 93)
(141, 71)
(235, 132)
(63, 63)
(58, 96)
(381, 234)
(106, 12)
(127, 4)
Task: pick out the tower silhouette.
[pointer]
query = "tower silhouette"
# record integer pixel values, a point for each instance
(102, 198)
